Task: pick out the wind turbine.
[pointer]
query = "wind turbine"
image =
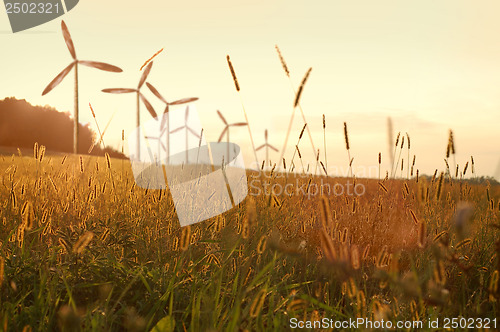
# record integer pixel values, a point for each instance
(188, 129)
(140, 97)
(267, 146)
(160, 145)
(58, 79)
(165, 125)
(226, 130)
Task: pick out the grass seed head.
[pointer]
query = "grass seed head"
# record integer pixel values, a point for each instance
(493, 287)
(41, 153)
(35, 151)
(302, 131)
(258, 303)
(326, 214)
(81, 165)
(185, 237)
(261, 246)
(299, 92)
(327, 246)
(452, 142)
(108, 160)
(233, 74)
(346, 136)
(440, 186)
(414, 217)
(282, 60)
(421, 234)
(28, 215)
(397, 138)
(83, 242)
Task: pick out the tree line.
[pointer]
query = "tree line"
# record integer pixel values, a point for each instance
(23, 124)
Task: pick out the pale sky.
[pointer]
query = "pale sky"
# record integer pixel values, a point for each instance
(430, 65)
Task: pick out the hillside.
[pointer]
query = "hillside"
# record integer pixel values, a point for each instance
(22, 124)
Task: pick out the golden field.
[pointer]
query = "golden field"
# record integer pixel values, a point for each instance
(83, 248)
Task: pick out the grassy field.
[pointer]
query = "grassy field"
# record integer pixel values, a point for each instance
(83, 248)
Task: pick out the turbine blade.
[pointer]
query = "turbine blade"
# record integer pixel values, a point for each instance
(119, 90)
(222, 117)
(145, 75)
(272, 147)
(148, 106)
(68, 40)
(260, 147)
(163, 121)
(238, 124)
(55, 82)
(184, 101)
(155, 92)
(222, 134)
(177, 129)
(101, 66)
(193, 132)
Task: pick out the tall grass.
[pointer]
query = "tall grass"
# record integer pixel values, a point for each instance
(93, 256)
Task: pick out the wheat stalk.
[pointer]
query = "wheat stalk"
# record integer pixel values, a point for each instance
(347, 146)
(237, 86)
(394, 153)
(451, 147)
(282, 60)
(379, 164)
(440, 186)
(399, 156)
(298, 141)
(301, 87)
(297, 96)
(300, 157)
(408, 159)
(413, 165)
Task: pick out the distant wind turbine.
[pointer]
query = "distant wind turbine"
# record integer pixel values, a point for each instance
(267, 146)
(160, 145)
(58, 79)
(140, 97)
(188, 129)
(165, 125)
(226, 131)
